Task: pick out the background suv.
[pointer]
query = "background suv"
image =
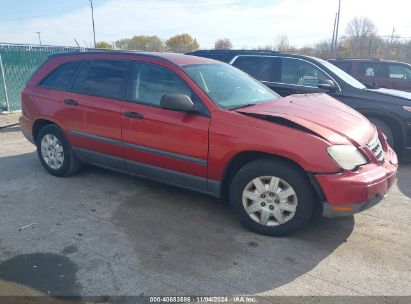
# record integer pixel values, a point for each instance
(376, 73)
(203, 125)
(288, 74)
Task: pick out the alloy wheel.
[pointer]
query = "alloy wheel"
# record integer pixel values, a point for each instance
(269, 200)
(52, 151)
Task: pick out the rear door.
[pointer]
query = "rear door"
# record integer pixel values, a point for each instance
(94, 109)
(373, 74)
(166, 145)
(259, 67)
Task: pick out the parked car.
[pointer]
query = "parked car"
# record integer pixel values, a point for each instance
(287, 74)
(203, 125)
(376, 73)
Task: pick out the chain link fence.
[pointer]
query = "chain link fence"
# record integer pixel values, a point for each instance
(17, 63)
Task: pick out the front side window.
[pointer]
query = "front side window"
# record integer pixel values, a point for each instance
(331, 68)
(258, 67)
(229, 87)
(60, 77)
(398, 71)
(300, 72)
(151, 82)
(103, 78)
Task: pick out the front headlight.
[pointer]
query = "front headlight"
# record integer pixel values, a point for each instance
(348, 157)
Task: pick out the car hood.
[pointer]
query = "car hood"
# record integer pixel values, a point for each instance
(320, 114)
(390, 92)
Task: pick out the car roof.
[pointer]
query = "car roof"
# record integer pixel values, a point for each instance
(174, 58)
(234, 53)
(365, 60)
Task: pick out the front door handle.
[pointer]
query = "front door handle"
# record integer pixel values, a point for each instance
(134, 115)
(71, 102)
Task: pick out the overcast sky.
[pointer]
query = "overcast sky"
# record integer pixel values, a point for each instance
(248, 23)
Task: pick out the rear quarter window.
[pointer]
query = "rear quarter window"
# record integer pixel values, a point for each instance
(60, 77)
(345, 66)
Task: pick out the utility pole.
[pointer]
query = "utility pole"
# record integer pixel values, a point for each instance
(92, 20)
(336, 30)
(38, 33)
(392, 35)
(333, 39)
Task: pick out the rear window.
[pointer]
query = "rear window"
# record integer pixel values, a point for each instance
(60, 77)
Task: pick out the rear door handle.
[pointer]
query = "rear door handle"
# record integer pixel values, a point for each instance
(71, 102)
(134, 115)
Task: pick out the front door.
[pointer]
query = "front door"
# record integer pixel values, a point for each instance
(297, 76)
(162, 144)
(400, 77)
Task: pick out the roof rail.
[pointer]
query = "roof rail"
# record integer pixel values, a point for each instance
(357, 58)
(236, 51)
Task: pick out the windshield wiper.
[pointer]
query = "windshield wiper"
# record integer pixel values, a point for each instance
(241, 106)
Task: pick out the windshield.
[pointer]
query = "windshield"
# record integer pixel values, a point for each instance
(229, 87)
(343, 75)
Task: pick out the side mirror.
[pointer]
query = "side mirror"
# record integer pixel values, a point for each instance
(177, 102)
(373, 85)
(328, 85)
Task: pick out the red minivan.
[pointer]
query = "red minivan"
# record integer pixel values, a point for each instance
(204, 125)
(376, 73)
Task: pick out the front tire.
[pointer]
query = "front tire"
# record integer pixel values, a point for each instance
(272, 197)
(385, 128)
(55, 152)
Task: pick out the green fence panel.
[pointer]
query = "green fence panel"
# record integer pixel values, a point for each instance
(19, 63)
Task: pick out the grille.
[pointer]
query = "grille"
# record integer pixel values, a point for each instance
(375, 146)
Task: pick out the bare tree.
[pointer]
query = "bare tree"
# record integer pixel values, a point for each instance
(282, 43)
(223, 44)
(360, 36)
(361, 27)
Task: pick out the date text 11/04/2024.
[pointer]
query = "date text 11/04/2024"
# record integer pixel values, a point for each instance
(235, 299)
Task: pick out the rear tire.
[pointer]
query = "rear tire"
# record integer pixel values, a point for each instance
(272, 197)
(385, 128)
(55, 153)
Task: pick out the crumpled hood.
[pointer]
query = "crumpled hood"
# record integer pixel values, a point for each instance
(321, 114)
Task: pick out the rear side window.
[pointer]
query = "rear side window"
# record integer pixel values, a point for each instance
(371, 69)
(258, 67)
(60, 77)
(345, 66)
(151, 82)
(103, 78)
